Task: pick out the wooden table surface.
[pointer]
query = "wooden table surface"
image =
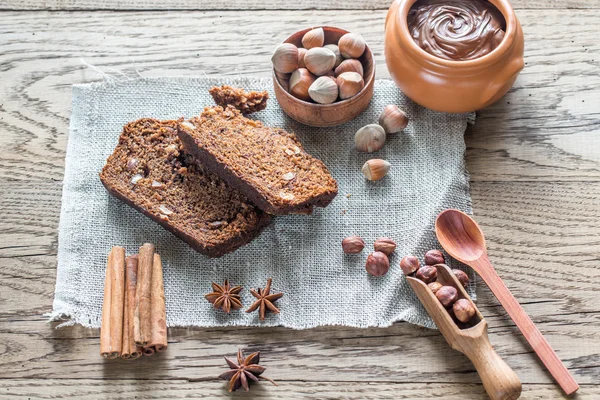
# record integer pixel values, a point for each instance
(534, 159)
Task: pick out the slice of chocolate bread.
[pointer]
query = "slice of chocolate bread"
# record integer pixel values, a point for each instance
(266, 164)
(149, 171)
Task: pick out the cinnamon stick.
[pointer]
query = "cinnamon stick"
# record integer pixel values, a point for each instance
(142, 326)
(111, 331)
(158, 317)
(130, 350)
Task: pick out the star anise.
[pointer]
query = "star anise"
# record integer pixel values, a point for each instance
(265, 300)
(225, 297)
(242, 371)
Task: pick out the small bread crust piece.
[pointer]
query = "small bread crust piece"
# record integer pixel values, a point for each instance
(149, 171)
(268, 165)
(246, 102)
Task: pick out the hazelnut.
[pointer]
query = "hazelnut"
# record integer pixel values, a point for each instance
(385, 245)
(353, 245)
(447, 295)
(409, 264)
(301, 53)
(434, 286)
(369, 138)
(336, 50)
(319, 60)
(300, 81)
(462, 277)
(463, 310)
(433, 257)
(377, 264)
(352, 45)
(285, 58)
(393, 119)
(324, 90)
(132, 164)
(427, 273)
(350, 83)
(284, 79)
(376, 169)
(313, 38)
(349, 65)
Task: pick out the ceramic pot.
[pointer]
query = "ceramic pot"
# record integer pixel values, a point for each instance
(446, 85)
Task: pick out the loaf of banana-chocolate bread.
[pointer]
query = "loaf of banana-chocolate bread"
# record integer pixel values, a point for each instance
(268, 165)
(149, 171)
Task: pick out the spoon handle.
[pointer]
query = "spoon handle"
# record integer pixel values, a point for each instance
(525, 324)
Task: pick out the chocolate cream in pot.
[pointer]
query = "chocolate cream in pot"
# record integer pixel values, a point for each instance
(457, 30)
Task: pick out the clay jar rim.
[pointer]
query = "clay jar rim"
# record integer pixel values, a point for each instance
(495, 55)
(366, 79)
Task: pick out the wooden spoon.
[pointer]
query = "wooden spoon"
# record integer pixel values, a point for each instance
(462, 238)
(471, 338)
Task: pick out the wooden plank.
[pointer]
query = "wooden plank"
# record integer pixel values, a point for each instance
(548, 132)
(127, 389)
(65, 5)
(542, 240)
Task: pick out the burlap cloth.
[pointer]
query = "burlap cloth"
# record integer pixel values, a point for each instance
(301, 253)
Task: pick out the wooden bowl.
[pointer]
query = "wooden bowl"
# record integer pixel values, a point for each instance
(333, 114)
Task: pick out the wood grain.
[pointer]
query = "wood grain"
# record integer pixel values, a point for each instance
(66, 5)
(534, 167)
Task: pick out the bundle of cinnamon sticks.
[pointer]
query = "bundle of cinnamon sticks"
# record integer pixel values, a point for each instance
(134, 320)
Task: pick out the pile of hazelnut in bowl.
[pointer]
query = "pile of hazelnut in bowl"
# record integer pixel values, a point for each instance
(461, 309)
(323, 76)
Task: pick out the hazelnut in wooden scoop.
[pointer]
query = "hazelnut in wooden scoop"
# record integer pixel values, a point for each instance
(447, 295)
(463, 310)
(462, 277)
(426, 273)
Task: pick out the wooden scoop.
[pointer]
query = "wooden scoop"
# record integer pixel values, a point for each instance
(471, 339)
(462, 238)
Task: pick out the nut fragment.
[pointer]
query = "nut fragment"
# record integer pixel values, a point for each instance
(132, 163)
(447, 295)
(377, 264)
(462, 277)
(156, 184)
(352, 45)
(285, 58)
(324, 90)
(376, 169)
(336, 50)
(300, 81)
(369, 138)
(349, 65)
(350, 84)
(288, 176)
(426, 273)
(433, 257)
(136, 178)
(463, 310)
(409, 264)
(434, 286)
(319, 60)
(385, 245)
(165, 210)
(313, 38)
(393, 119)
(353, 245)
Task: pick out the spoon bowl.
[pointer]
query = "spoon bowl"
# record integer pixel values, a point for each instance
(460, 236)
